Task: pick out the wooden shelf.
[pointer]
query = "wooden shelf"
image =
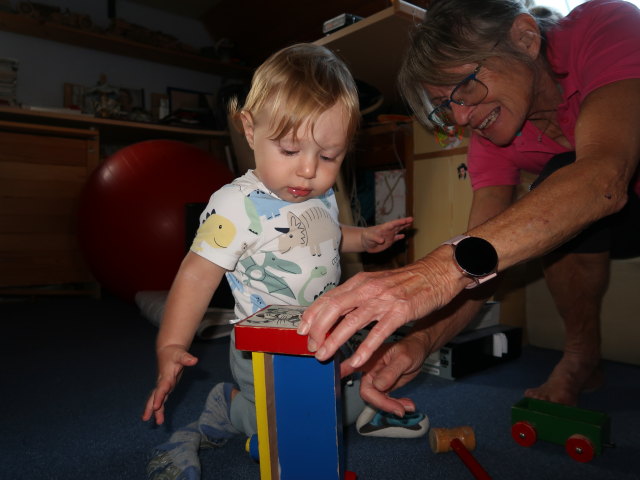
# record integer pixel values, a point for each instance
(25, 25)
(106, 125)
(115, 133)
(373, 47)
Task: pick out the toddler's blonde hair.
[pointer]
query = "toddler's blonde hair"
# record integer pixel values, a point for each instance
(296, 85)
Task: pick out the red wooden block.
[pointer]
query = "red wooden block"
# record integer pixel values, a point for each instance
(273, 330)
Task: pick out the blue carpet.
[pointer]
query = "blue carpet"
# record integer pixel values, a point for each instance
(75, 373)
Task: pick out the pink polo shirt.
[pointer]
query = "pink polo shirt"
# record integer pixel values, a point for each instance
(596, 44)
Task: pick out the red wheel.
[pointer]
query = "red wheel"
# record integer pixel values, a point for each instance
(580, 448)
(524, 434)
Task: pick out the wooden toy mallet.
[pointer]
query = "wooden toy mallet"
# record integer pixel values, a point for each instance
(461, 440)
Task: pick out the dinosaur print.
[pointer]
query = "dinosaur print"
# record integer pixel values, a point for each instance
(259, 273)
(216, 231)
(257, 302)
(234, 283)
(314, 226)
(266, 205)
(252, 214)
(317, 272)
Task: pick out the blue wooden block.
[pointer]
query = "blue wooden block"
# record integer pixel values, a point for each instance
(308, 418)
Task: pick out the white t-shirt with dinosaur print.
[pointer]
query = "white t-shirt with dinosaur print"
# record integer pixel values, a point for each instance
(277, 253)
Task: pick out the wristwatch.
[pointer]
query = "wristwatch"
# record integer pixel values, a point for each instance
(475, 257)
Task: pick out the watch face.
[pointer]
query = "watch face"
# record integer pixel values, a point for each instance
(476, 256)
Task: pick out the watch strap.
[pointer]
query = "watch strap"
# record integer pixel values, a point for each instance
(455, 240)
(476, 280)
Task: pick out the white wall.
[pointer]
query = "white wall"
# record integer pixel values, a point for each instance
(45, 65)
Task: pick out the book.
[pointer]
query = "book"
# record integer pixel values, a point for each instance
(273, 329)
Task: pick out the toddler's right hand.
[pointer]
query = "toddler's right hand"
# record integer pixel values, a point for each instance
(171, 361)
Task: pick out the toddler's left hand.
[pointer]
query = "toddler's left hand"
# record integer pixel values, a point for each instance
(380, 237)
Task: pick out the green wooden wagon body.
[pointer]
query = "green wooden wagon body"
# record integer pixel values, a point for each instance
(578, 429)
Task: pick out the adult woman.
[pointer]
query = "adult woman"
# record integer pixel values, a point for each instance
(528, 91)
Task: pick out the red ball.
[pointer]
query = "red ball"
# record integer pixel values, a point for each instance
(132, 227)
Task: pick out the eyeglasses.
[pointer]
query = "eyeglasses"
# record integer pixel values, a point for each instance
(469, 92)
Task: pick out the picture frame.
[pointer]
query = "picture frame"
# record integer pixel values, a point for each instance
(191, 107)
(180, 98)
(131, 99)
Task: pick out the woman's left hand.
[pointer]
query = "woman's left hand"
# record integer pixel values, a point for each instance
(391, 366)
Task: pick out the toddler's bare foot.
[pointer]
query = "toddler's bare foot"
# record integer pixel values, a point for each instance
(573, 374)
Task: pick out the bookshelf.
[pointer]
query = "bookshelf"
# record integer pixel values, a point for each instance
(111, 43)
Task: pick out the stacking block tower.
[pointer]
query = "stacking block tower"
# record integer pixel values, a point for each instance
(298, 407)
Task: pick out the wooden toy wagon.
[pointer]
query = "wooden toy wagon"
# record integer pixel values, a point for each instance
(584, 433)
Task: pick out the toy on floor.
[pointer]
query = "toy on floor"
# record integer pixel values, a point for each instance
(378, 423)
(216, 323)
(298, 408)
(132, 212)
(583, 432)
(461, 440)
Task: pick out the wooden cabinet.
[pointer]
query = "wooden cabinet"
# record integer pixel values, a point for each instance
(42, 172)
(441, 191)
(45, 159)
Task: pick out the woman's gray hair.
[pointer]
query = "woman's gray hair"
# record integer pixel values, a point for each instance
(454, 33)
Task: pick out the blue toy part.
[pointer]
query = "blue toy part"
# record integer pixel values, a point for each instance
(308, 418)
(252, 448)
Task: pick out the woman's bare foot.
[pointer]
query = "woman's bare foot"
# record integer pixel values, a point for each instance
(574, 373)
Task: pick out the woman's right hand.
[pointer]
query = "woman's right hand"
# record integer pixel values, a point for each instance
(171, 361)
(389, 299)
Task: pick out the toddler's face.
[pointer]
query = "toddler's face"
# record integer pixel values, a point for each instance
(307, 167)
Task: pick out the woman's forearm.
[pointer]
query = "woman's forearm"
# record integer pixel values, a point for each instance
(559, 208)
